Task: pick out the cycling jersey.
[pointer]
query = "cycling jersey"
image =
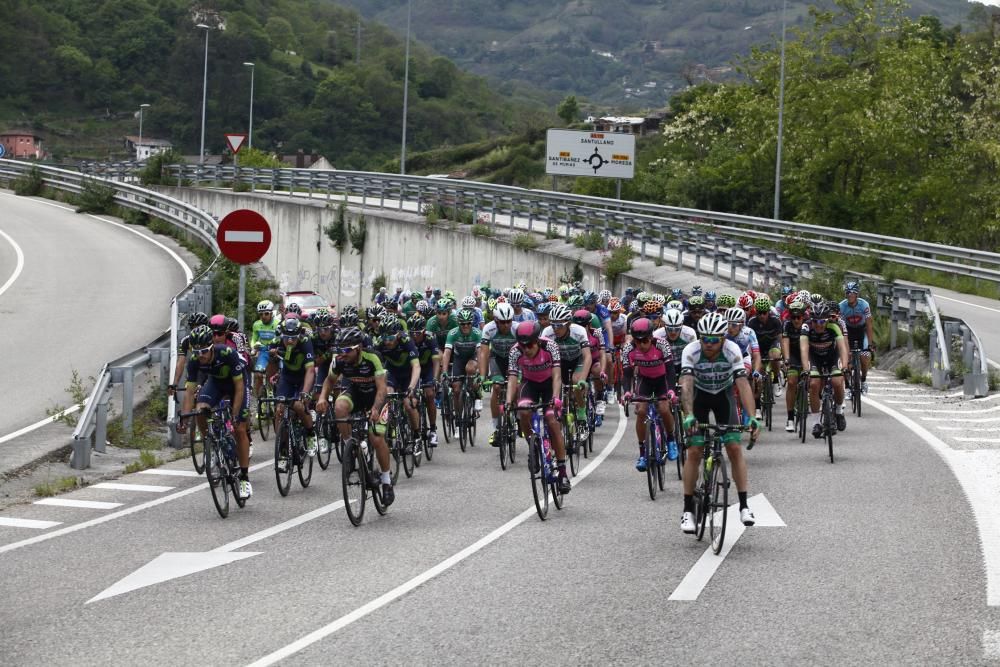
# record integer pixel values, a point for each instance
(792, 333)
(686, 335)
(619, 327)
(713, 376)
(822, 342)
(295, 361)
(746, 340)
(463, 346)
(263, 334)
(651, 363)
(570, 346)
(399, 361)
(768, 332)
(525, 316)
(225, 365)
(360, 375)
(427, 352)
(538, 368)
(499, 344)
(441, 330)
(856, 316)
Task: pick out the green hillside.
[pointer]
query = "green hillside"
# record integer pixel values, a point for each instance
(76, 72)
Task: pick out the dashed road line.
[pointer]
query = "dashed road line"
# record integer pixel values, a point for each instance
(84, 504)
(143, 488)
(27, 523)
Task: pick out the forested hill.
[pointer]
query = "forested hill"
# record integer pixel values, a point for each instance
(76, 72)
(627, 53)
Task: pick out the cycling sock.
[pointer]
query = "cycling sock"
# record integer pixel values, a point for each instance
(561, 465)
(244, 473)
(688, 503)
(791, 413)
(743, 499)
(581, 414)
(386, 478)
(642, 448)
(496, 423)
(817, 416)
(840, 409)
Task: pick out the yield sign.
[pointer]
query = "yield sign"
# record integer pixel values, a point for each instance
(243, 236)
(235, 142)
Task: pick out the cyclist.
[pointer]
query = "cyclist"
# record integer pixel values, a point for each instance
(574, 354)
(469, 303)
(409, 306)
(297, 376)
(494, 352)
(792, 353)
(534, 377)
(542, 314)
(443, 322)
(430, 365)
(599, 361)
(324, 342)
(710, 304)
(402, 365)
(224, 372)
(460, 356)
(823, 347)
(766, 324)
(651, 359)
(521, 314)
(857, 313)
(184, 351)
(710, 370)
(263, 332)
(695, 311)
(676, 334)
(363, 389)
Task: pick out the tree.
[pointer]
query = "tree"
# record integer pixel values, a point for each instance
(568, 109)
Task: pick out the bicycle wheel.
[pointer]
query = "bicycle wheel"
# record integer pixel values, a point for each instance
(720, 505)
(661, 448)
(265, 412)
(573, 452)
(829, 424)
(305, 463)
(681, 442)
(802, 407)
(473, 418)
(326, 430)
(539, 485)
(217, 472)
(406, 447)
(767, 400)
(703, 499)
(557, 496)
(447, 417)
(376, 490)
(353, 483)
(500, 440)
(651, 466)
(198, 458)
(856, 388)
(283, 457)
(511, 438)
(463, 428)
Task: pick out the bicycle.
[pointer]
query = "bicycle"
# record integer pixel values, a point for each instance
(802, 405)
(711, 495)
(447, 411)
(423, 438)
(264, 409)
(571, 428)
(855, 377)
(466, 421)
(360, 471)
(828, 416)
(399, 436)
(680, 437)
(541, 466)
(506, 437)
(289, 448)
(656, 449)
(220, 463)
(197, 458)
(767, 398)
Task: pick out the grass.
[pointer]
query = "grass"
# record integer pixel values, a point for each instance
(481, 230)
(46, 489)
(903, 372)
(993, 377)
(525, 241)
(592, 240)
(618, 260)
(146, 460)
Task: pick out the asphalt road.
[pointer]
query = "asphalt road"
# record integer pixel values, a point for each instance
(980, 313)
(878, 562)
(85, 296)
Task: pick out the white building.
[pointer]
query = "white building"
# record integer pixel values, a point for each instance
(146, 147)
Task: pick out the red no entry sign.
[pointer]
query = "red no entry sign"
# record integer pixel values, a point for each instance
(244, 236)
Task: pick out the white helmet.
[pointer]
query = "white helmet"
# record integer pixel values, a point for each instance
(712, 324)
(604, 296)
(673, 318)
(675, 305)
(469, 302)
(516, 296)
(560, 314)
(265, 307)
(736, 315)
(503, 312)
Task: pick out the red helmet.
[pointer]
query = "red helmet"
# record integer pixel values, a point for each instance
(746, 301)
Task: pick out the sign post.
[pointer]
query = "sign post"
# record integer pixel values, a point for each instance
(235, 142)
(243, 237)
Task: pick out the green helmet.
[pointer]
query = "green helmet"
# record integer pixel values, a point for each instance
(466, 316)
(575, 301)
(763, 302)
(725, 301)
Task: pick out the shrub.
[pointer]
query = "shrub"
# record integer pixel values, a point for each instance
(96, 197)
(481, 230)
(618, 259)
(525, 241)
(993, 378)
(152, 173)
(574, 276)
(903, 372)
(336, 231)
(592, 240)
(30, 184)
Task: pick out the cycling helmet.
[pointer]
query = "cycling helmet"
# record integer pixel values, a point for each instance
(604, 296)
(265, 306)
(696, 290)
(291, 328)
(423, 307)
(469, 302)
(417, 322)
(745, 301)
(197, 320)
(553, 298)
(527, 332)
(448, 294)
(736, 316)
(675, 305)
(725, 301)
(294, 308)
(820, 311)
(200, 336)
(292, 316)
(852, 287)
(590, 299)
(763, 303)
(575, 301)
(544, 308)
(791, 298)
(504, 312)
(476, 291)
(521, 286)
(390, 304)
(786, 290)
(387, 320)
(642, 328)
(323, 320)
(696, 302)
(374, 312)
(582, 317)
(710, 296)
(676, 294)
(614, 305)
(796, 307)
(516, 297)
(349, 319)
(834, 307)
(443, 305)
(659, 300)
(652, 308)
(816, 298)
(804, 295)
(349, 337)
(673, 318)
(217, 322)
(466, 316)
(349, 308)
(232, 324)
(393, 328)
(642, 297)
(712, 324)
(560, 314)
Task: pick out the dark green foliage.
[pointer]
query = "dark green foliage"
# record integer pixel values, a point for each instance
(336, 231)
(96, 198)
(30, 184)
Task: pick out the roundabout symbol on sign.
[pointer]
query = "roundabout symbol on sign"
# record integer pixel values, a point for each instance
(596, 161)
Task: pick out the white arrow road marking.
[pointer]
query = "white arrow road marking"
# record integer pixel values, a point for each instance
(698, 576)
(169, 566)
(234, 236)
(173, 565)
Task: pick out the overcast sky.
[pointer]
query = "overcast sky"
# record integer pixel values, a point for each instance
(987, 2)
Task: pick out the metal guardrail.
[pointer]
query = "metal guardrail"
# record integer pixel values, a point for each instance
(583, 211)
(92, 423)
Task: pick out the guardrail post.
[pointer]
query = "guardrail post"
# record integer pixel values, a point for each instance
(750, 267)
(938, 378)
(910, 317)
(101, 425)
(680, 253)
(715, 259)
(128, 380)
(697, 256)
(80, 458)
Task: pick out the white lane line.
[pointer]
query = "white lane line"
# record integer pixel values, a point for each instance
(85, 504)
(991, 644)
(972, 470)
(18, 267)
(954, 411)
(144, 488)
(443, 566)
(956, 420)
(170, 472)
(967, 303)
(982, 441)
(280, 528)
(27, 523)
(116, 515)
(914, 403)
(967, 429)
(39, 424)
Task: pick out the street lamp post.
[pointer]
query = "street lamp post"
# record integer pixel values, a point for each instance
(781, 117)
(406, 88)
(250, 131)
(204, 95)
(141, 107)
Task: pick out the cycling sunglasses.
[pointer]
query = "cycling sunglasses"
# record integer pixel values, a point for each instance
(465, 324)
(289, 339)
(711, 340)
(324, 329)
(201, 351)
(823, 321)
(675, 329)
(347, 350)
(390, 338)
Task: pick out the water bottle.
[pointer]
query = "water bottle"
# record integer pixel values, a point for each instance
(364, 447)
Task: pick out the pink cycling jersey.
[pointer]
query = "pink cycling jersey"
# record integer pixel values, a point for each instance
(649, 364)
(537, 368)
